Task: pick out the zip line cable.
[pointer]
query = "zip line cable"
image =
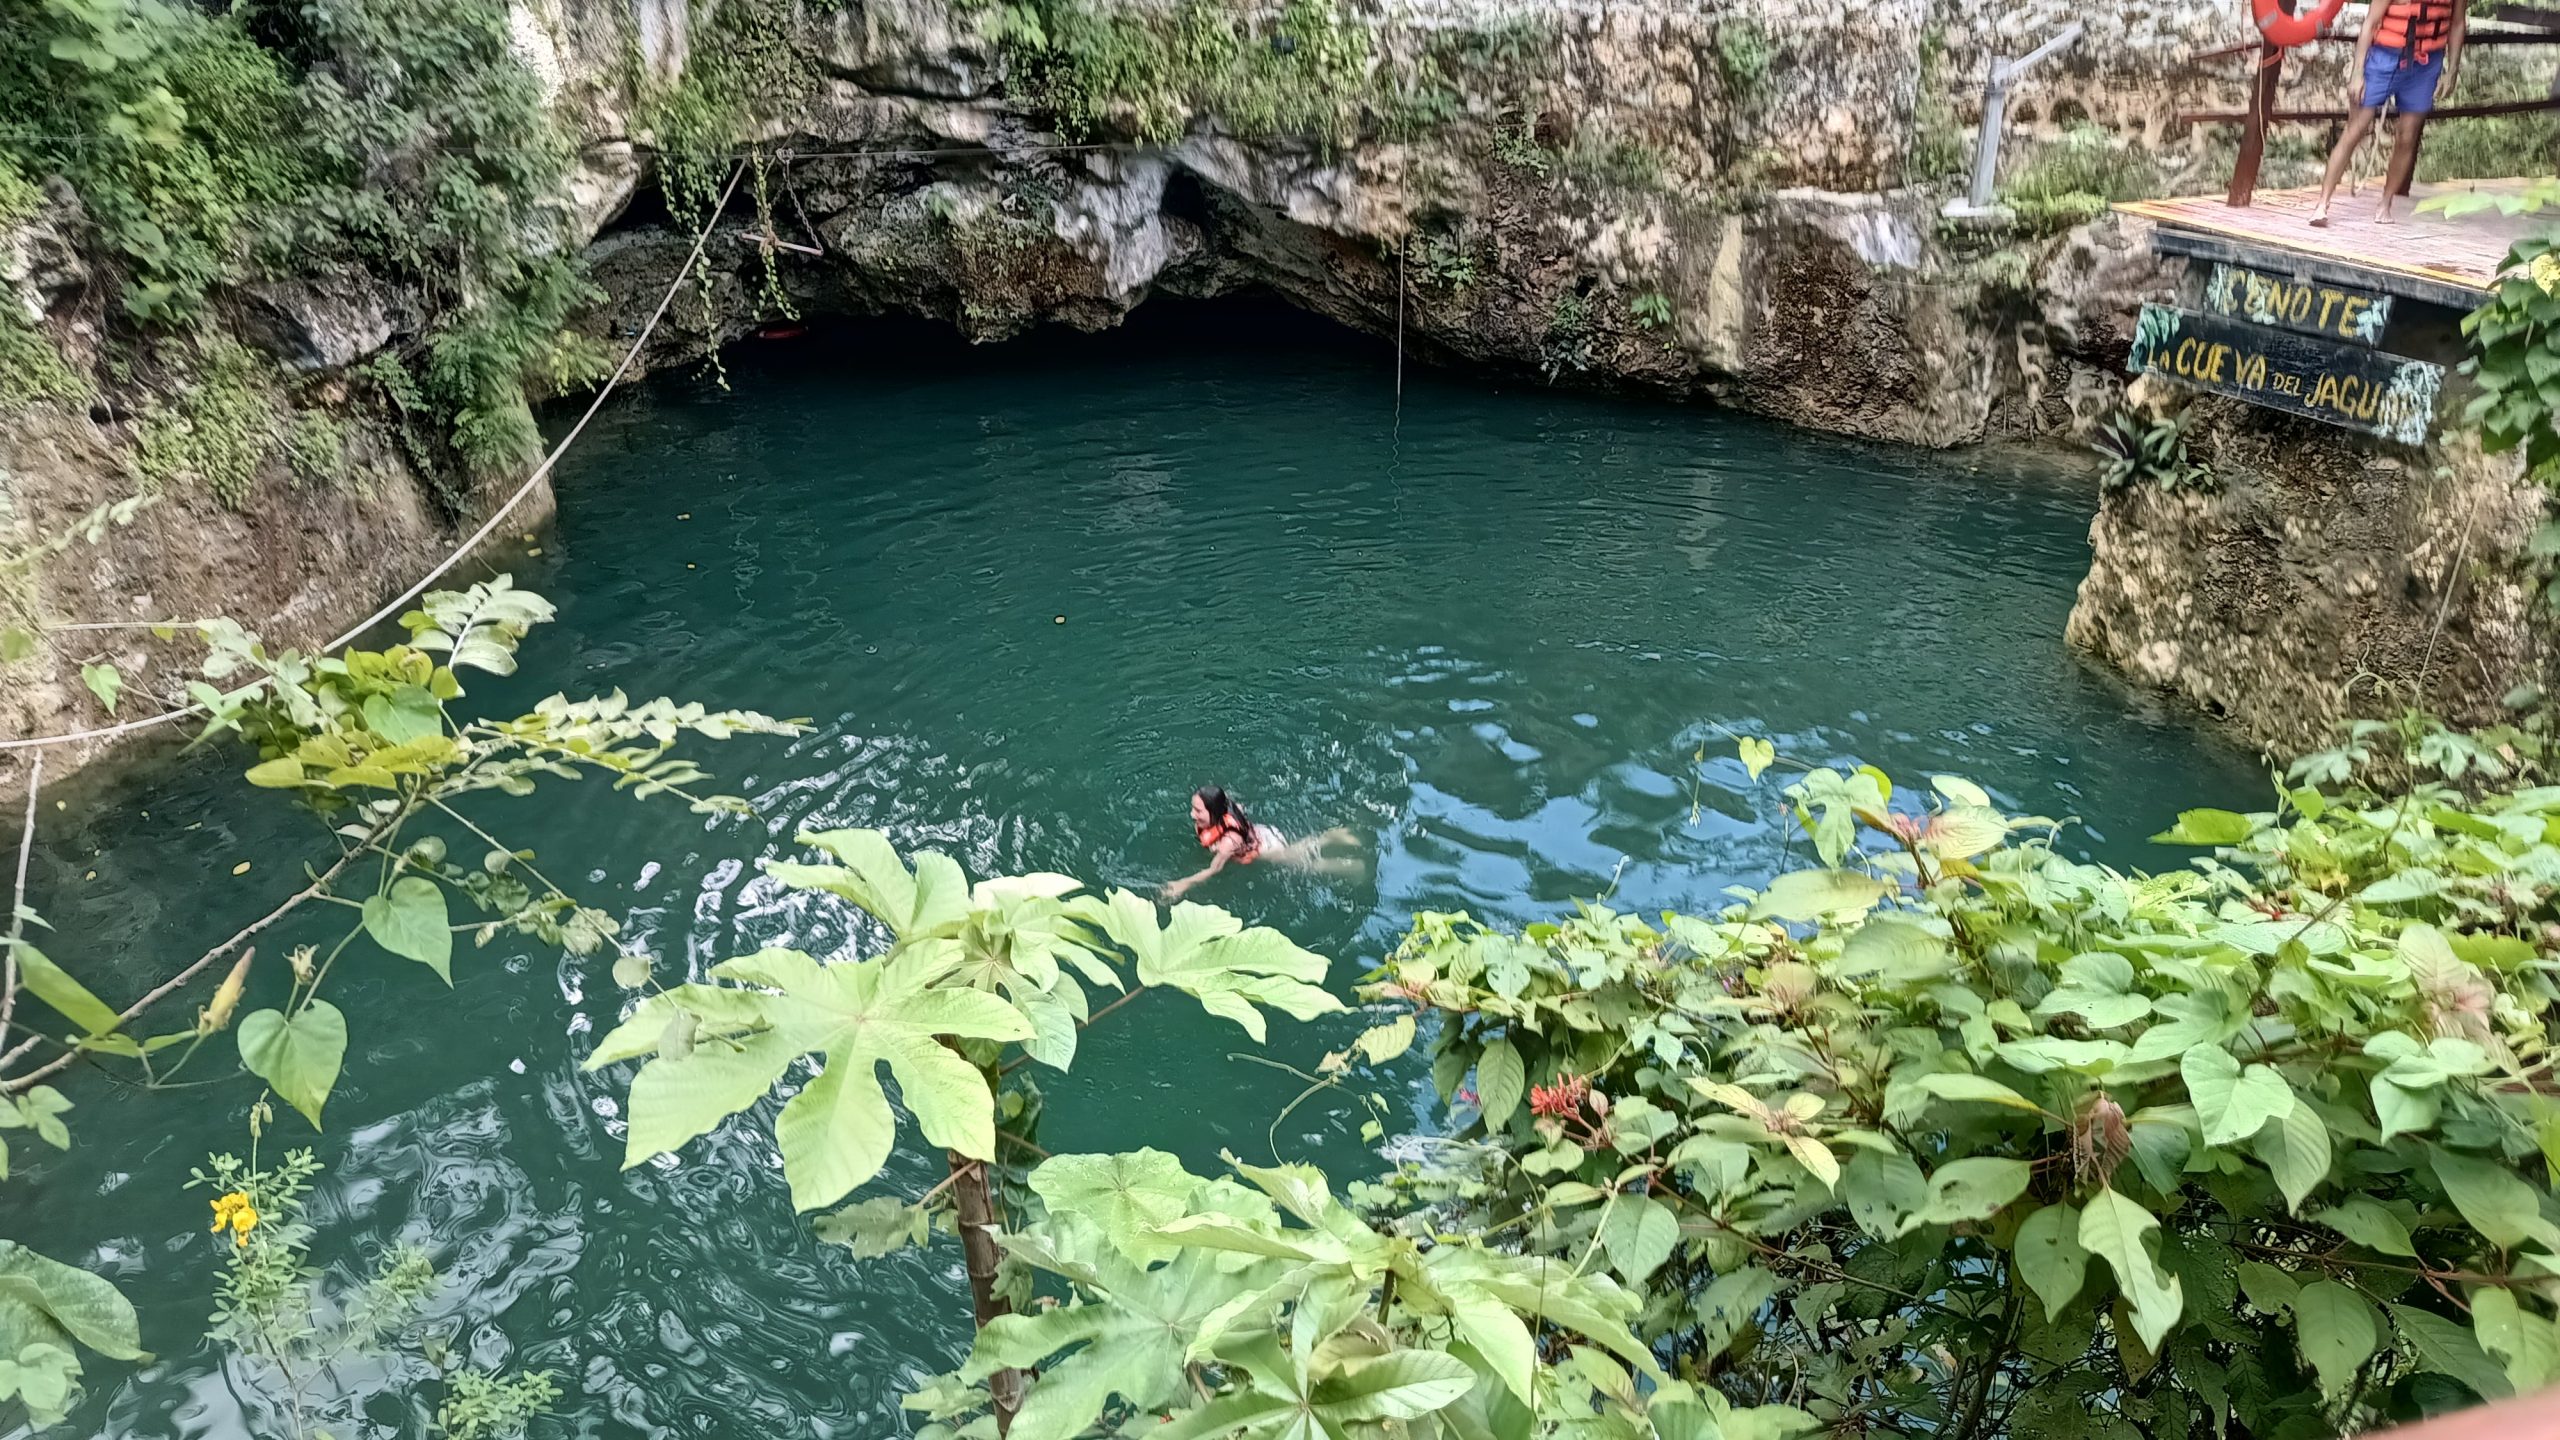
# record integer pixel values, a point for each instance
(486, 527)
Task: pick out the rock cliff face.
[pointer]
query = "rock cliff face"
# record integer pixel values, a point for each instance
(2323, 581)
(1732, 202)
(1723, 201)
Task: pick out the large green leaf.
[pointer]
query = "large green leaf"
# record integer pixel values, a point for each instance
(1979, 1088)
(2496, 1200)
(2367, 1223)
(1974, 1188)
(1132, 1343)
(411, 921)
(298, 1058)
(1731, 1303)
(2232, 1103)
(1639, 1233)
(1402, 1386)
(2520, 1339)
(1812, 894)
(1126, 1196)
(1499, 1336)
(872, 876)
(54, 986)
(2296, 1149)
(1500, 1082)
(2050, 1257)
(2338, 1330)
(85, 1306)
(2114, 1228)
(2448, 1348)
(837, 1132)
(1207, 954)
(2206, 827)
(1885, 1193)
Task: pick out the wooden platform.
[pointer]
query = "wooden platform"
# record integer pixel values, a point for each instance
(2450, 262)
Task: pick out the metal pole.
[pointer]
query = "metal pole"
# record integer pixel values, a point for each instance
(1995, 111)
(1986, 148)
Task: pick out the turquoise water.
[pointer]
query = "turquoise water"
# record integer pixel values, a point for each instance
(1490, 639)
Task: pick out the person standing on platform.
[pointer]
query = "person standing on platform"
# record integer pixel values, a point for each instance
(2408, 54)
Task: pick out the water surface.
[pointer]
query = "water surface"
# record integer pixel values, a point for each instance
(1031, 596)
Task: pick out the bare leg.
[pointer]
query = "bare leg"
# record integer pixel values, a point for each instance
(2359, 125)
(1309, 853)
(2404, 163)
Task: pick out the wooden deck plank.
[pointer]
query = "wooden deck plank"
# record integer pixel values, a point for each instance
(2464, 252)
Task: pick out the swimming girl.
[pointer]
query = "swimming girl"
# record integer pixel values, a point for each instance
(1229, 835)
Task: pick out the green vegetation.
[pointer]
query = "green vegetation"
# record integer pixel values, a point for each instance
(1516, 143)
(218, 430)
(1937, 141)
(1096, 71)
(1744, 54)
(1567, 342)
(1947, 1134)
(217, 148)
(1446, 260)
(368, 741)
(2140, 452)
(2072, 181)
(2515, 340)
(315, 445)
(1652, 310)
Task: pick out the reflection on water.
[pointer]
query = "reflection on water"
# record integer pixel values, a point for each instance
(1031, 597)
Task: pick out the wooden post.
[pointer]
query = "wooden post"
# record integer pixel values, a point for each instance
(2253, 131)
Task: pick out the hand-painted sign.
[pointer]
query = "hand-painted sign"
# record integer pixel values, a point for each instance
(2308, 307)
(2359, 389)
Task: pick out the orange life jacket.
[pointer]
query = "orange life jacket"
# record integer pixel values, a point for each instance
(2419, 28)
(1248, 840)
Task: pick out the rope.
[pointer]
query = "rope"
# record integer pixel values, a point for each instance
(540, 472)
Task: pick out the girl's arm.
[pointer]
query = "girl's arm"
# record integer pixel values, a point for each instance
(2453, 46)
(1217, 862)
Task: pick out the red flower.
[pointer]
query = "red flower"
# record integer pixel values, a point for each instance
(1565, 1097)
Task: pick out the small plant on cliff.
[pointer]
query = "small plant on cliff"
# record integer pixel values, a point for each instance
(1568, 339)
(218, 430)
(1515, 143)
(1744, 54)
(1652, 310)
(2072, 181)
(2140, 452)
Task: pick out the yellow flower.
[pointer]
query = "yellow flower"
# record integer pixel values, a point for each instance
(235, 1211)
(2546, 272)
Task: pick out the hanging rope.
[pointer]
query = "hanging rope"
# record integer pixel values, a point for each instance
(487, 527)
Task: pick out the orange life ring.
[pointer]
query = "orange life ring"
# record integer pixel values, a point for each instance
(2297, 27)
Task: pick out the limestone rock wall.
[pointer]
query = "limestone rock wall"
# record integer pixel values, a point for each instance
(2325, 580)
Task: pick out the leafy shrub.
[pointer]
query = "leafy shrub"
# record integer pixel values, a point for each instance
(219, 430)
(1652, 310)
(2146, 453)
(1301, 75)
(1956, 1135)
(1744, 54)
(2073, 180)
(2515, 359)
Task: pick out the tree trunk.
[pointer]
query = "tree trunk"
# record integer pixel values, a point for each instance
(977, 1209)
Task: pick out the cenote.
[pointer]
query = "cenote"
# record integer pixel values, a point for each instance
(1030, 597)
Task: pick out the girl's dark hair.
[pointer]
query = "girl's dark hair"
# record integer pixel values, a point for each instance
(1223, 812)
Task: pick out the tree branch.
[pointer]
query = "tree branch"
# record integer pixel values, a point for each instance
(18, 909)
(166, 987)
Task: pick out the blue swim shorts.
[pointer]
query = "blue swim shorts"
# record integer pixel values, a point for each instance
(2409, 84)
